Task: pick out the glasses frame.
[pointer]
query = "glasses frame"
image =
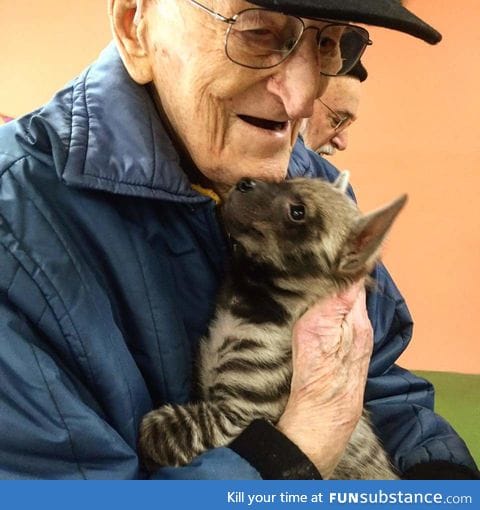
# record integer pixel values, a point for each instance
(233, 19)
(343, 121)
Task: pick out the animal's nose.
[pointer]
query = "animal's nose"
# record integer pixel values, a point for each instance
(245, 185)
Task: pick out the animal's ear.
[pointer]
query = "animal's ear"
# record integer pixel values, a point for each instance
(360, 250)
(341, 182)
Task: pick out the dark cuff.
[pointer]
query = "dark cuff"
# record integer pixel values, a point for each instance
(440, 470)
(272, 454)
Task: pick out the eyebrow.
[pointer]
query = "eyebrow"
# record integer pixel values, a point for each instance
(345, 113)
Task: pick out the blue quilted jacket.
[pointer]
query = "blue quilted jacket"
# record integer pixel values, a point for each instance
(109, 264)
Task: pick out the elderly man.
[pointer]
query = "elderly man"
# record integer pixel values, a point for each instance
(111, 250)
(326, 131)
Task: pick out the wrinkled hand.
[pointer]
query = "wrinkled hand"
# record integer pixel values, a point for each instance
(332, 346)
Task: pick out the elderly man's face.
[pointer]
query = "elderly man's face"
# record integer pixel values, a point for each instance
(233, 121)
(343, 97)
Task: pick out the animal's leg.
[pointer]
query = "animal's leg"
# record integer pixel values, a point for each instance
(173, 435)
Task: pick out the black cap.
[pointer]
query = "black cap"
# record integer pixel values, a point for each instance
(382, 13)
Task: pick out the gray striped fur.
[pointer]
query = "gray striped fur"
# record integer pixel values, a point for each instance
(280, 267)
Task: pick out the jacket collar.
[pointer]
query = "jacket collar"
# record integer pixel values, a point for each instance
(118, 143)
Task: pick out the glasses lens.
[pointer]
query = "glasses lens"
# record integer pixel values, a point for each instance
(343, 123)
(341, 47)
(261, 38)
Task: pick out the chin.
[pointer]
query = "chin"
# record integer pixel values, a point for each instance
(270, 170)
(229, 170)
(271, 166)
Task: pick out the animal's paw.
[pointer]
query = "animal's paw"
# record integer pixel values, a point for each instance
(163, 439)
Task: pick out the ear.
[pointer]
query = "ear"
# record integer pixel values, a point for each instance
(129, 31)
(360, 250)
(341, 182)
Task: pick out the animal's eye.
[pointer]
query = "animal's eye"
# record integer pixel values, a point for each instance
(296, 212)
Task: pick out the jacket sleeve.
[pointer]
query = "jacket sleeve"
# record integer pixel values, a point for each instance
(421, 444)
(52, 428)
(52, 423)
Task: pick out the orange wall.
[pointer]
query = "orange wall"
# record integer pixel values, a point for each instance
(44, 44)
(417, 133)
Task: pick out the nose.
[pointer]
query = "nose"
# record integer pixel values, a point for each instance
(297, 82)
(340, 140)
(245, 185)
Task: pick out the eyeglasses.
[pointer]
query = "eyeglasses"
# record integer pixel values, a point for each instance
(338, 122)
(260, 39)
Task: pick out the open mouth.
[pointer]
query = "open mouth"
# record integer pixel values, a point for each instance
(270, 125)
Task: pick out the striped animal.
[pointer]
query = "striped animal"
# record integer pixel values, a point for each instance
(295, 242)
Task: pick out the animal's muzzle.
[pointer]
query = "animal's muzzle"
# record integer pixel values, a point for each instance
(245, 185)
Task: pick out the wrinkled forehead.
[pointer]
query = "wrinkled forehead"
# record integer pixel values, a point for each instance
(343, 94)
